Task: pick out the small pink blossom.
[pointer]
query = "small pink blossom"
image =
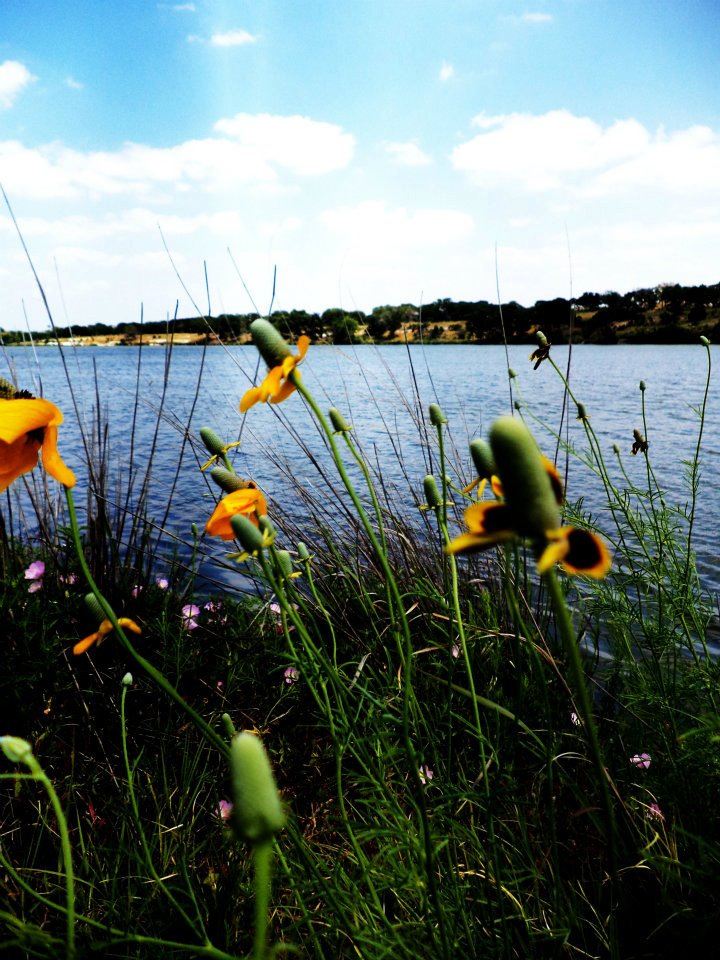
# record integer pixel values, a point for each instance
(291, 674)
(36, 570)
(575, 719)
(653, 812)
(35, 586)
(69, 579)
(426, 774)
(189, 612)
(455, 651)
(136, 591)
(224, 810)
(161, 583)
(641, 761)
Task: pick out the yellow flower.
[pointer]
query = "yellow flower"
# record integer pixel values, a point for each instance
(249, 502)
(29, 425)
(276, 386)
(532, 491)
(102, 631)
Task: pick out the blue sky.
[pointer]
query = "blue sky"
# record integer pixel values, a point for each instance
(375, 151)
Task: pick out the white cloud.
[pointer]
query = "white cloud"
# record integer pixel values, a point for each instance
(447, 71)
(254, 149)
(408, 154)
(232, 38)
(14, 77)
(299, 144)
(74, 84)
(378, 228)
(184, 7)
(536, 18)
(578, 157)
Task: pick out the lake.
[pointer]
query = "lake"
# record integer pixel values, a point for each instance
(377, 390)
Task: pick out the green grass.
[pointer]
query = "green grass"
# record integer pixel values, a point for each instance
(407, 660)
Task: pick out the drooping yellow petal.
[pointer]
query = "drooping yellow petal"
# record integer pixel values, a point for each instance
(578, 552)
(21, 416)
(474, 543)
(250, 398)
(52, 461)
(249, 502)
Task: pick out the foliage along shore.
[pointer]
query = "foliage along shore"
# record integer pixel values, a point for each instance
(666, 314)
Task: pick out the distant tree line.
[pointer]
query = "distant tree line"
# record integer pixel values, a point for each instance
(666, 313)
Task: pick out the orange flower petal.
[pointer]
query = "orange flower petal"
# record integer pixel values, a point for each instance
(250, 398)
(52, 461)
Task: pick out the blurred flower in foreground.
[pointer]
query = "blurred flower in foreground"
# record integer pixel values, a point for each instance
(531, 491)
(276, 353)
(641, 760)
(161, 583)
(28, 425)
(224, 810)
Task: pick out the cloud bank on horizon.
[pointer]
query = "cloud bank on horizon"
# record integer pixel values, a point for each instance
(406, 181)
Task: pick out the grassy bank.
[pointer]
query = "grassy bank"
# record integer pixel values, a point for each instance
(461, 775)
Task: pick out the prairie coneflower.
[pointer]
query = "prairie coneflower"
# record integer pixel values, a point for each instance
(281, 362)
(531, 491)
(248, 503)
(28, 425)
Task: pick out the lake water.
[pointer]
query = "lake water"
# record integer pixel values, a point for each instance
(377, 390)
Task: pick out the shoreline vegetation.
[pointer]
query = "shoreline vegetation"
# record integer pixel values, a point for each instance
(666, 314)
(404, 741)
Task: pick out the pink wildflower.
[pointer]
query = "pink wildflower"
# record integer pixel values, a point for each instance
(641, 761)
(291, 674)
(189, 612)
(426, 774)
(653, 812)
(224, 810)
(36, 570)
(161, 583)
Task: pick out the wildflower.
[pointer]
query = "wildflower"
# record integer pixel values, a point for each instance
(136, 591)
(455, 651)
(277, 385)
(531, 489)
(161, 583)
(575, 719)
(640, 445)
(102, 631)
(542, 351)
(224, 810)
(35, 573)
(69, 579)
(426, 774)
(215, 611)
(28, 425)
(653, 812)
(249, 503)
(189, 612)
(291, 674)
(641, 761)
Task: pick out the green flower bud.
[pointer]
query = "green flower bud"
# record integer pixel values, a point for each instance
(437, 417)
(517, 405)
(16, 750)
(643, 388)
(541, 338)
(704, 341)
(228, 481)
(127, 680)
(526, 484)
(93, 605)
(582, 413)
(247, 533)
(273, 348)
(338, 421)
(7, 390)
(432, 494)
(616, 450)
(284, 561)
(267, 526)
(228, 726)
(511, 373)
(303, 552)
(212, 441)
(257, 811)
(482, 457)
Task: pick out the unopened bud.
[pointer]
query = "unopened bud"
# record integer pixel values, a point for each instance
(284, 561)
(541, 338)
(643, 388)
(432, 494)
(257, 810)
(303, 552)
(228, 726)
(704, 341)
(338, 421)
(511, 373)
(482, 457)
(16, 749)
(437, 417)
(127, 680)
(212, 441)
(582, 413)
